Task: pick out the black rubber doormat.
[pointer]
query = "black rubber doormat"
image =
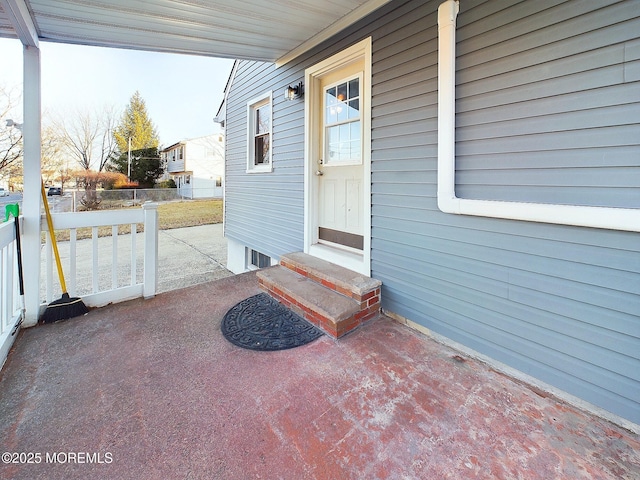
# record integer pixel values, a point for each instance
(261, 323)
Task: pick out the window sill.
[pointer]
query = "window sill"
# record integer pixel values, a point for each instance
(261, 169)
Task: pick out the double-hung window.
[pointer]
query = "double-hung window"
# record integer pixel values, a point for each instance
(259, 134)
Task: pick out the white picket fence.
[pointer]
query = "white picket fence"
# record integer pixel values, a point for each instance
(104, 270)
(129, 262)
(11, 307)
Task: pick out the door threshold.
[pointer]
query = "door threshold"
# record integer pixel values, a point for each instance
(345, 258)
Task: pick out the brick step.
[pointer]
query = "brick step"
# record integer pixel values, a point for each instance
(334, 313)
(331, 297)
(342, 280)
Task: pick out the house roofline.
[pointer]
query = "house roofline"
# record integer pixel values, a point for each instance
(166, 149)
(223, 105)
(186, 140)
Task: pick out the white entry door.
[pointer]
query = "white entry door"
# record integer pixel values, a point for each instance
(338, 159)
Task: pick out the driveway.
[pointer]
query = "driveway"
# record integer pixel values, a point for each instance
(192, 255)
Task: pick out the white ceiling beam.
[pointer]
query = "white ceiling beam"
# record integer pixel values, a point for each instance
(344, 22)
(20, 18)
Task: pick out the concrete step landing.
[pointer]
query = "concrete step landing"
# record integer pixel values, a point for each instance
(333, 298)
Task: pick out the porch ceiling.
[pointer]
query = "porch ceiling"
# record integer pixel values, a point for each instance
(267, 30)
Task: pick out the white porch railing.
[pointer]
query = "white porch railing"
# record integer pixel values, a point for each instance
(11, 307)
(104, 270)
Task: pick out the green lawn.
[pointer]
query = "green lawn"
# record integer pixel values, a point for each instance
(189, 213)
(184, 213)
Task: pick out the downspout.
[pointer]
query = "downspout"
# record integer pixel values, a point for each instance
(447, 13)
(627, 219)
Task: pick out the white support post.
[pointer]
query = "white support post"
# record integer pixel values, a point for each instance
(31, 201)
(150, 249)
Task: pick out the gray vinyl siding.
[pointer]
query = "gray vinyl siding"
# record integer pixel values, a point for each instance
(265, 210)
(548, 103)
(547, 111)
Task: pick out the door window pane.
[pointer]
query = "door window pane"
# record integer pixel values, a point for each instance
(343, 143)
(354, 88)
(354, 108)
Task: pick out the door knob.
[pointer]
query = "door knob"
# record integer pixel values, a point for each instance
(319, 173)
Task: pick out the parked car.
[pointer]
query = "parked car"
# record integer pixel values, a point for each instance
(54, 191)
(3, 192)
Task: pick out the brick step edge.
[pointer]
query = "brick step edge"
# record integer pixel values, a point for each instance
(311, 313)
(339, 279)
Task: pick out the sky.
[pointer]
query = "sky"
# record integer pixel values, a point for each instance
(182, 92)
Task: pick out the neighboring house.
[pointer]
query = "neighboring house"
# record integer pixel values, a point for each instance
(520, 240)
(196, 166)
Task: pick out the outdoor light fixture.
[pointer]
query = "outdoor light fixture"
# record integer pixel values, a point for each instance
(293, 92)
(11, 123)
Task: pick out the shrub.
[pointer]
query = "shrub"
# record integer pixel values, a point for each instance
(167, 184)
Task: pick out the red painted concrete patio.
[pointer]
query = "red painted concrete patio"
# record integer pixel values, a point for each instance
(151, 389)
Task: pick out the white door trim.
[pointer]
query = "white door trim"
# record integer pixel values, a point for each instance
(360, 263)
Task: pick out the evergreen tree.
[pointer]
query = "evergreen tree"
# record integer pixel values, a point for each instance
(137, 134)
(136, 125)
(146, 167)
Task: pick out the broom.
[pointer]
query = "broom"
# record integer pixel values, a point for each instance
(66, 306)
(14, 209)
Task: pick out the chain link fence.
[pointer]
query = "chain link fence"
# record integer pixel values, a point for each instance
(80, 200)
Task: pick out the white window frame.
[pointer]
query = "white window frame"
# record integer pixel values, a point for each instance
(252, 106)
(249, 265)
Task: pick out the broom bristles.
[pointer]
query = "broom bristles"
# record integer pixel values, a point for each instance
(64, 308)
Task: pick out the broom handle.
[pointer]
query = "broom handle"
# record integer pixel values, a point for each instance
(16, 223)
(52, 234)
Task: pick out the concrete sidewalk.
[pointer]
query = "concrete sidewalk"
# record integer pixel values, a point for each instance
(186, 256)
(192, 255)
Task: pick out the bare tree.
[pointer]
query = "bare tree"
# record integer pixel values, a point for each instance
(10, 136)
(53, 157)
(89, 137)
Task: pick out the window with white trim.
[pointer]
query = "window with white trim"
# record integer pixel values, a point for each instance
(259, 134)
